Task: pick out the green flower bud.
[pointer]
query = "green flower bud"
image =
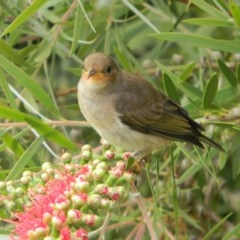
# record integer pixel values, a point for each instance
(66, 157)
(46, 165)
(94, 200)
(86, 148)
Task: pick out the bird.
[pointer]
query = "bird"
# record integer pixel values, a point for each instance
(129, 112)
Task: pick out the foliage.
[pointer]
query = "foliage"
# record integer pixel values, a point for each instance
(188, 49)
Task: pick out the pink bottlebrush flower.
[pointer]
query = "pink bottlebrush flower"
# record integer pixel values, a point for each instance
(34, 216)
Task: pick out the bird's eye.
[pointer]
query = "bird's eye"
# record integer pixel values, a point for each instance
(109, 69)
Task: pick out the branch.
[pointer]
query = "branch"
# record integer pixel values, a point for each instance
(65, 123)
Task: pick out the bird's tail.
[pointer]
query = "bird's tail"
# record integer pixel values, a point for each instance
(211, 143)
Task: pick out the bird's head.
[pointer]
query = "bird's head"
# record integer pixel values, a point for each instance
(99, 70)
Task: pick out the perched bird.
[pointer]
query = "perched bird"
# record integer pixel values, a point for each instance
(129, 112)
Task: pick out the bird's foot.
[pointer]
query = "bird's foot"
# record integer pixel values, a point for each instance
(136, 161)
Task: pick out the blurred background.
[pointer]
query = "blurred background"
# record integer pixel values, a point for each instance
(188, 49)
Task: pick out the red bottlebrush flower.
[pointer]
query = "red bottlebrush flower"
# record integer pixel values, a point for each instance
(82, 234)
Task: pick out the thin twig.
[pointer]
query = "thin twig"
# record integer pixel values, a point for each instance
(146, 218)
(64, 18)
(65, 123)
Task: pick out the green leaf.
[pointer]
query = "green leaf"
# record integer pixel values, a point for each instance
(200, 40)
(24, 15)
(10, 53)
(50, 133)
(170, 88)
(6, 90)
(41, 127)
(210, 91)
(13, 144)
(238, 73)
(186, 88)
(140, 15)
(25, 80)
(209, 235)
(235, 10)
(228, 73)
(209, 22)
(11, 114)
(77, 30)
(17, 170)
(189, 173)
(233, 233)
(188, 70)
(209, 9)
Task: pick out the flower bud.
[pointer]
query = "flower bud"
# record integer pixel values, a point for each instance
(86, 147)
(98, 174)
(47, 217)
(86, 155)
(109, 154)
(91, 219)
(79, 200)
(46, 165)
(81, 234)
(81, 186)
(94, 200)
(66, 157)
(25, 179)
(73, 216)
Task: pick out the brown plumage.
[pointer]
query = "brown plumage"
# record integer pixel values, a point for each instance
(129, 112)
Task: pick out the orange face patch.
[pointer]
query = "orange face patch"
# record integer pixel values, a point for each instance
(97, 77)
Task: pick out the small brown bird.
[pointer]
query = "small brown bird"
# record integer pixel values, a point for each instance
(129, 112)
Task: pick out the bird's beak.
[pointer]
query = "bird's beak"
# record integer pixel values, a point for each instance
(91, 72)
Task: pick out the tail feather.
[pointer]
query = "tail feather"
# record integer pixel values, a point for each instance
(211, 143)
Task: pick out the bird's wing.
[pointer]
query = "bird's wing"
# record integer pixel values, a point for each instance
(154, 113)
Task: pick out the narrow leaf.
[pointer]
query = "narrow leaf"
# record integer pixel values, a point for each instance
(50, 133)
(10, 53)
(235, 10)
(41, 127)
(77, 30)
(170, 88)
(24, 159)
(234, 233)
(238, 73)
(186, 88)
(11, 114)
(25, 80)
(209, 22)
(209, 9)
(228, 73)
(209, 235)
(140, 15)
(210, 91)
(188, 70)
(13, 144)
(4, 85)
(200, 40)
(189, 173)
(22, 17)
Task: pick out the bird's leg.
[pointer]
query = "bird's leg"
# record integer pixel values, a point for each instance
(140, 159)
